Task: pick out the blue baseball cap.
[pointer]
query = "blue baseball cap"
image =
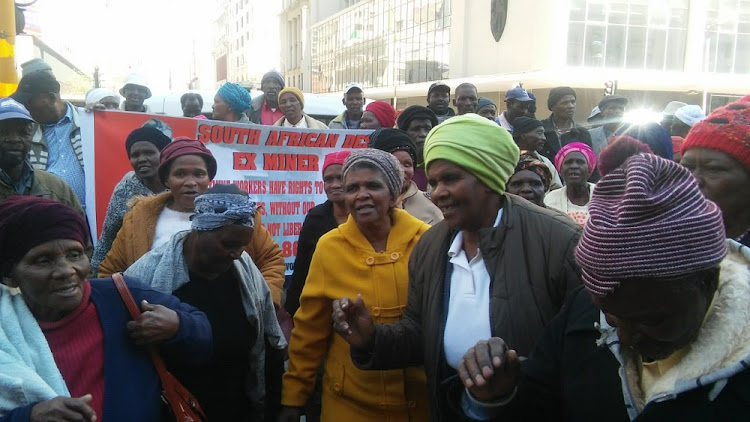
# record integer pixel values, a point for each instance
(12, 109)
(518, 94)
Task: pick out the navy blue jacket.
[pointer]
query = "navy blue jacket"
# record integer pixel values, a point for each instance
(131, 385)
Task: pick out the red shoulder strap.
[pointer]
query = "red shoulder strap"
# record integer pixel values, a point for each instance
(135, 313)
(126, 296)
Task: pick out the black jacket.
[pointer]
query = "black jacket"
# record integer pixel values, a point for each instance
(569, 377)
(319, 221)
(553, 143)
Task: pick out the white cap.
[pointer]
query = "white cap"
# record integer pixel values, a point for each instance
(351, 86)
(672, 107)
(689, 114)
(135, 79)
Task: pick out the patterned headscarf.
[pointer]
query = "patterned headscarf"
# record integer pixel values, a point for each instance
(527, 161)
(584, 149)
(216, 210)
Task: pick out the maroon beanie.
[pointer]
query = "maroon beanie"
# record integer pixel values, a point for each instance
(185, 146)
(727, 130)
(29, 221)
(648, 218)
(618, 151)
(384, 112)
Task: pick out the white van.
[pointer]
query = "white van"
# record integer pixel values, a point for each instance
(319, 106)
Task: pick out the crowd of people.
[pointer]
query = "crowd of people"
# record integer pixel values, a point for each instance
(466, 265)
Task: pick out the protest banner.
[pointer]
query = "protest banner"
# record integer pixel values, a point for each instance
(279, 167)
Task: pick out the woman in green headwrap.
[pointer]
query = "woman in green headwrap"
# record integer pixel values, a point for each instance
(496, 266)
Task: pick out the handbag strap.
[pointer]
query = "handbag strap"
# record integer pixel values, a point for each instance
(135, 313)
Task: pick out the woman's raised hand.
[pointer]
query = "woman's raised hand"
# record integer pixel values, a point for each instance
(353, 322)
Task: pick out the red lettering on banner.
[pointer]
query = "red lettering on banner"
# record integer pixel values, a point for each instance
(289, 249)
(216, 133)
(292, 138)
(273, 228)
(307, 206)
(235, 135)
(290, 162)
(253, 187)
(300, 187)
(273, 139)
(331, 140)
(316, 140)
(356, 141)
(292, 229)
(204, 133)
(244, 161)
(277, 187)
(253, 137)
(285, 207)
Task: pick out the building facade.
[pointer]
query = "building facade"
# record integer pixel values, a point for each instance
(245, 40)
(657, 51)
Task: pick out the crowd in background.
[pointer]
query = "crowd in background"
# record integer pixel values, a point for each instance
(467, 265)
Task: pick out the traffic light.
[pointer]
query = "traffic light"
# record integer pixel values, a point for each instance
(8, 76)
(610, 87)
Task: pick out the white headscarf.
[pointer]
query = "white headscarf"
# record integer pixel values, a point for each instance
(96, 95)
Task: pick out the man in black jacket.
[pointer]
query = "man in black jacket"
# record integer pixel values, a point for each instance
(559, 127)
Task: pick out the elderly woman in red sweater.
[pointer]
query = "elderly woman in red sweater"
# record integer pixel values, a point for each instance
(68, 348)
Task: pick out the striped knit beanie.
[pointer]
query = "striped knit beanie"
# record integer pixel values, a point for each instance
(647, 218)
(726, 130)
(383, 161)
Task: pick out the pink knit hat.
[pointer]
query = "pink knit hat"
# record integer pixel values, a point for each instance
(648, 218)
(584, 149)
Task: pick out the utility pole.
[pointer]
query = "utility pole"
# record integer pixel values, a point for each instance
(8, 75)
(97, 83)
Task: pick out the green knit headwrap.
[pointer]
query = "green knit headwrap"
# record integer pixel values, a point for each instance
(476, 144)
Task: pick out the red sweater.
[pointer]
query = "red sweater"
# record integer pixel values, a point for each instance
(77, 344)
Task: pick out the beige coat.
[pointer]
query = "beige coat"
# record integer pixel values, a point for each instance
(311, 123)
(416, 203)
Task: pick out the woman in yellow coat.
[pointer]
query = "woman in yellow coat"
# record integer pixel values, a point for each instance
(367, 255)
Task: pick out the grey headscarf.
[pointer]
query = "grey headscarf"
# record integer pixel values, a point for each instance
(383, 161)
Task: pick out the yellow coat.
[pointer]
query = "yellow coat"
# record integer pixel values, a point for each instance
(345, 264)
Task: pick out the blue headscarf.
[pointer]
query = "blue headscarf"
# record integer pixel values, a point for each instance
(236, 96)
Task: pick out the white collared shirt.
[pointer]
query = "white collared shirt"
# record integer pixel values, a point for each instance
(302, 123)
(468, 318)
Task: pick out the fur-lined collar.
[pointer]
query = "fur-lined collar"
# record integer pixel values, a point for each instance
(721, 350)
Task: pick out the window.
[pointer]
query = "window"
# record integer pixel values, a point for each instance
(380, 43)
(632, 34)
(728, 36)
